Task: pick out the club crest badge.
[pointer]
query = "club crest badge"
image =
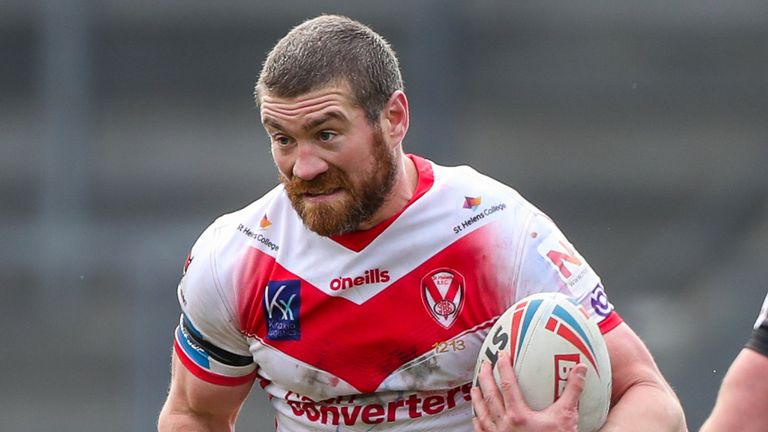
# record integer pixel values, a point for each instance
(442, 291)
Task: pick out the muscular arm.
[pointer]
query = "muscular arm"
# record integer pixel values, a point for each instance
(195, 405)
(742, 403)
(641, 398)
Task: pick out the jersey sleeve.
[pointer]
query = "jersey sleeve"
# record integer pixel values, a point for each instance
(550, 263)
(207, 340)
(759, 339)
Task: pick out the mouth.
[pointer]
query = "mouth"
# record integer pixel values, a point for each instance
(318, 197)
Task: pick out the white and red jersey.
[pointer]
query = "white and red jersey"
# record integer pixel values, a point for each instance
(377, 329)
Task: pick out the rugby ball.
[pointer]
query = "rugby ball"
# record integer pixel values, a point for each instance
(547, 335)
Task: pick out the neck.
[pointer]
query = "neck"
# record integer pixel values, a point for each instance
(406, 179)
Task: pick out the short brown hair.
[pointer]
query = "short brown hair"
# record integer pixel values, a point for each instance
(329, 49)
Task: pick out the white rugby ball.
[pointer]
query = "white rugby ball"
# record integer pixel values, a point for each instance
(546, 335)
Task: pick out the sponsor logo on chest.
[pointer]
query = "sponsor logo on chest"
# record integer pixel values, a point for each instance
(282, 303)
(368, 277)
(259, 237)
(474, 204)
(374, 410)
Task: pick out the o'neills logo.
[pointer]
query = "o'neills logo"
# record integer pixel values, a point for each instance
(369, 277)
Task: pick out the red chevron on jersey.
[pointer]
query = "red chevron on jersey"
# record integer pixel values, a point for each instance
(378, 328)
(331, 327)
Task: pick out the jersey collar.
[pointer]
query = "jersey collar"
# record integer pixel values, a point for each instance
(358, 240)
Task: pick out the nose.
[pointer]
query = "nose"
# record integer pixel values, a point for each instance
(308, 164)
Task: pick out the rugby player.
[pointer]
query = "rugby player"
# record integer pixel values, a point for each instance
(357, 292)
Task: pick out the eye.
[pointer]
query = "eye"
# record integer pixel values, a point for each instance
(326, 136)
(281, 140)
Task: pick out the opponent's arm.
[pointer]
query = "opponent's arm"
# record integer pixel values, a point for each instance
(195, 405)
(742, 403)
(641, 398)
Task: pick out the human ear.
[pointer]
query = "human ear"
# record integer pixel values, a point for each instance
(396, 116)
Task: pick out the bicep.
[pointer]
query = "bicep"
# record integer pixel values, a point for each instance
(194, 401)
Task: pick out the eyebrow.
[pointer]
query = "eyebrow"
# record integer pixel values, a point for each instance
(310, 123)
(315, 122)
(274, 124)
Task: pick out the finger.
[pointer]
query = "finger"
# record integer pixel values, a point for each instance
(477, 427)
(510, 390)
(492, 396)
(482, 421)
(574, 387)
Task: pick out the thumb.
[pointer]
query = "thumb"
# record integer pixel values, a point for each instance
(574, 387)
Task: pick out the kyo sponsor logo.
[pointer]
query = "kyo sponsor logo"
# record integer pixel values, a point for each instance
(282, 303)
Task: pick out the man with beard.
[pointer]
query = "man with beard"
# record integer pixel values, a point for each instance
(358, 292)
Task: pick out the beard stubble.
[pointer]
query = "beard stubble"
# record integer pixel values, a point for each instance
(357, 203)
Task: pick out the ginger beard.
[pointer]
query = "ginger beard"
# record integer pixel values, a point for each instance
(357, 202)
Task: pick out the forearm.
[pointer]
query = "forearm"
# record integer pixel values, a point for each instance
(641, 398)
(646, 407)
(198, 406)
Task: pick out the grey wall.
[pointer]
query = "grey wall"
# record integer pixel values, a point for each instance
(126, 127)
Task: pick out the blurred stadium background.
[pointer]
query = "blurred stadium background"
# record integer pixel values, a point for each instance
(127, 126)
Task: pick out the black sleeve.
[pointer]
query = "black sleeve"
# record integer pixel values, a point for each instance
(759, 340)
